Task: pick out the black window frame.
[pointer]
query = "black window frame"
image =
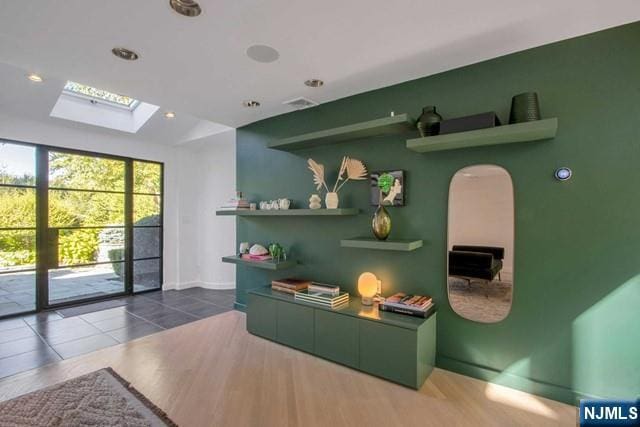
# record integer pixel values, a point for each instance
(41, 227)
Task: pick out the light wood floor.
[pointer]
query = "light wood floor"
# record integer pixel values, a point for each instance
(213, 373)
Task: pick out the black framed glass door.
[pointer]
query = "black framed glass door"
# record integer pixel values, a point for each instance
(76, 226)
(85, 234)
(17, 228)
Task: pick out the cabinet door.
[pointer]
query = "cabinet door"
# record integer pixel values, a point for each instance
(388, 352)
(261, 316)
(295, 326)
(336, 337)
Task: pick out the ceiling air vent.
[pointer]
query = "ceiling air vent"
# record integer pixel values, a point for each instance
(300, 103)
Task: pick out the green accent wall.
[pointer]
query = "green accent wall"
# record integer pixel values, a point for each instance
(574, 326)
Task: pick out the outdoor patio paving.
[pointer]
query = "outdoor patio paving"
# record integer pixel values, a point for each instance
(18, 291)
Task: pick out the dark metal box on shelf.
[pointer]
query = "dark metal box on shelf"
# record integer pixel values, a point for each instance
(463, 124)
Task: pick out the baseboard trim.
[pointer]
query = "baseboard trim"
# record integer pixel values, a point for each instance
(207, 285)
(550, 391)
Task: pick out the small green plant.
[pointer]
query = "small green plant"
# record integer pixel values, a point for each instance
(385, 181)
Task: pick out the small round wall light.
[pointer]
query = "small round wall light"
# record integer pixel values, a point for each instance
(563, 174)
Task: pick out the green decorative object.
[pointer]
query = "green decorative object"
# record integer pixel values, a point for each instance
(277, 252)
(525, 107)
(381, 223)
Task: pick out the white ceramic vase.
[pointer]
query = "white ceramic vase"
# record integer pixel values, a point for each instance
(331, 200)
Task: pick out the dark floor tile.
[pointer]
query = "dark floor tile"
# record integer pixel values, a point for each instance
(174, 319)
(16, 333)
(65, 330)
(207, 310)
(90, 308)
(25, 361)
(45, 316)
(22, 345)
(154, 312)
(84, 345)
(166, 297)
(104, 314)
(182, 302)
(138, 330)
(144, 308)
(11, 323)
(218, 299)
(121, 321)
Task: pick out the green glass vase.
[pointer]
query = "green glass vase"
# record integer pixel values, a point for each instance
(381, 223)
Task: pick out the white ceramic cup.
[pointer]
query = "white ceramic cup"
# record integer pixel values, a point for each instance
(284, 203)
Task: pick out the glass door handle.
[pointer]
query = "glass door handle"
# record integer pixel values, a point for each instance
(51, 256)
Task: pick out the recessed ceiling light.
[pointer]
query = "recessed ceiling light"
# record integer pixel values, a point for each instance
(170, 115)
(262, 53)
(186, 7)
(34, 78)
(251, 104)
(124, 53)
(314, 82)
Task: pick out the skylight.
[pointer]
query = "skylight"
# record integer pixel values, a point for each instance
(93, 93)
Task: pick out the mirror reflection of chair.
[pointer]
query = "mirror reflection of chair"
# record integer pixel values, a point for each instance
(480, 247)
(476, 263)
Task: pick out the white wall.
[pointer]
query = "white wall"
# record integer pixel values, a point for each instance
(481, 212)
(216, 178)
(190, 226)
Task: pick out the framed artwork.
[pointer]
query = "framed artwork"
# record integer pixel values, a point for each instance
(394, 181)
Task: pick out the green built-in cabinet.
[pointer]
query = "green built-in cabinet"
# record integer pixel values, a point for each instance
(398, 348)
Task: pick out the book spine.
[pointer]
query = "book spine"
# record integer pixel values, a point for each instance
(322, 289)
(288, 285)
(408, 311)
(413, 306)
(281, 289)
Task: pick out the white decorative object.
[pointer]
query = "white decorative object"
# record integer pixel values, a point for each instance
(274, 205)
(331, 200)
(350, 169)
(284, 203)
(258, 250)
(244, 247)
(315, 202)
(318, 174)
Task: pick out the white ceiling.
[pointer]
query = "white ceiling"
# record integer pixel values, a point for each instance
(23, 98)
(198, 65)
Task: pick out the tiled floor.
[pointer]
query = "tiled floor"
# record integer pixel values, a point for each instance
(31, 341)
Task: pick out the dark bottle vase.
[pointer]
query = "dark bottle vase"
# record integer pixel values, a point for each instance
(429, 122)
(381, 223)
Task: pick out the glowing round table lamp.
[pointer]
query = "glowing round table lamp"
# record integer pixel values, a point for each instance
(367, 287)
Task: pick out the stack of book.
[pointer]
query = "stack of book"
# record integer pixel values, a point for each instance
(324, 295)
(289, 286)
(413, 305)
(235, 204)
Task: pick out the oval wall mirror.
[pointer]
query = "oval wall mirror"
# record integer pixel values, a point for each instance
(480, 243)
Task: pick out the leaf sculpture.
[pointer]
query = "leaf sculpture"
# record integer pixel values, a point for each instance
(343, 167)
(355, 170)
(318, 174)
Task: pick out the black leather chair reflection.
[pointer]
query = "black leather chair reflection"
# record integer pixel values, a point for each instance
(475, 262)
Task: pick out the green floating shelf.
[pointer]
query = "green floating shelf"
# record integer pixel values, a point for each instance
(392, 125)
(519, 132)
(292, 212)
(265, 265)
(404, 245)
